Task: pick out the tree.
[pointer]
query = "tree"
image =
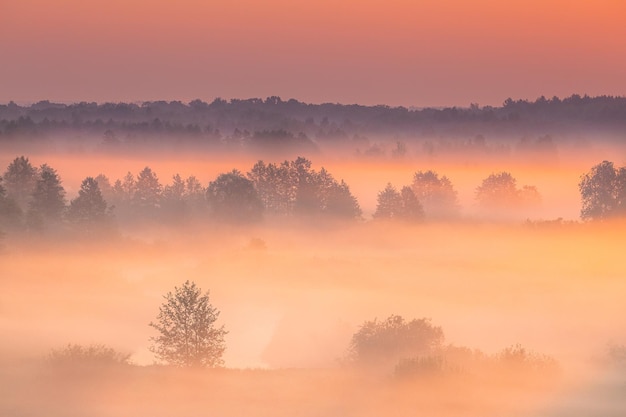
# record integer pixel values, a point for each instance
(124, 189)
(436, 194)
(10, 212)
(340, 203)
(412, 209)
(293, 187)
(147, 194)
(194, 194)
(402, 205)
(603, 192)
(389, 203)
(187, 332)
(89, 208)
(48, 198)
(393, 339)
(499, 191)
(232, 197)
(275, 185)
(20, 179)
(105, 187)
(173, 204)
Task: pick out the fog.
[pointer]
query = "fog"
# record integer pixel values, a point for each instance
(293, 292)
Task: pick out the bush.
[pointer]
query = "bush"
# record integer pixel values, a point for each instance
(422, 366)
(393, 339)
(95, 355)
(519, 358)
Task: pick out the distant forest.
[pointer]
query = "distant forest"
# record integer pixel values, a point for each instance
(273, 125)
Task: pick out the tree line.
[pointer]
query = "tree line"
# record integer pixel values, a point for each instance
(254, 123)
(34, 198)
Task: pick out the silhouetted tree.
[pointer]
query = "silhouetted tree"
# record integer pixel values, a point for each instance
(194, 193)
(412, 209)
(436, 194)
(402, 205)
(10, 212)
(232, 197)
(20, 179)
(48, 199)
(603, 192)
(183, 197)
(124, 190)
(293, 187)
(389, 203)
(275, 185)
(188, 335)
(147, 196)
(105, 188)
(306, 198)
(175, 190)
(340, 203)
(173, 197)
(499, 191)
(89, 209)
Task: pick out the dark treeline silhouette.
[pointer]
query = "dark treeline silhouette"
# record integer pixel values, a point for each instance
(273, 124)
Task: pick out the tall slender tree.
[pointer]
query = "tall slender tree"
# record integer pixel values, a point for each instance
(48, 198)
(89, 209)
(20, 179)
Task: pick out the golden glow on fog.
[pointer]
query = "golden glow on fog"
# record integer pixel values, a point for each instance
(295, 303)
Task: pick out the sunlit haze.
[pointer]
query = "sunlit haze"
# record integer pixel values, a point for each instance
(312, 208)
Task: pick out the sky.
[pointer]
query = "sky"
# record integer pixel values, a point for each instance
(394, 52)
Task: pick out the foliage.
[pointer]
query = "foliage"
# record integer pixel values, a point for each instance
(232, 197)
(389, 203)
(147, 195)
(48, 198)
(282, 121)
(603, 192)
(20, 179)
(10, 212)
(393, 339)
(429, 365)
(187, 332)
(499, 191)
(89, 208)
(105, 188)
(402, 205)
(519, 358)
(95, 355)
(124, 189)
(183, 197)
(293, 187)
(436, 194)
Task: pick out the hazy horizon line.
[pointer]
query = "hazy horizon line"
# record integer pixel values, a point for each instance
(29, 103)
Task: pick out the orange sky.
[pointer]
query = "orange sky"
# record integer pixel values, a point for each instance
(396, 52)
